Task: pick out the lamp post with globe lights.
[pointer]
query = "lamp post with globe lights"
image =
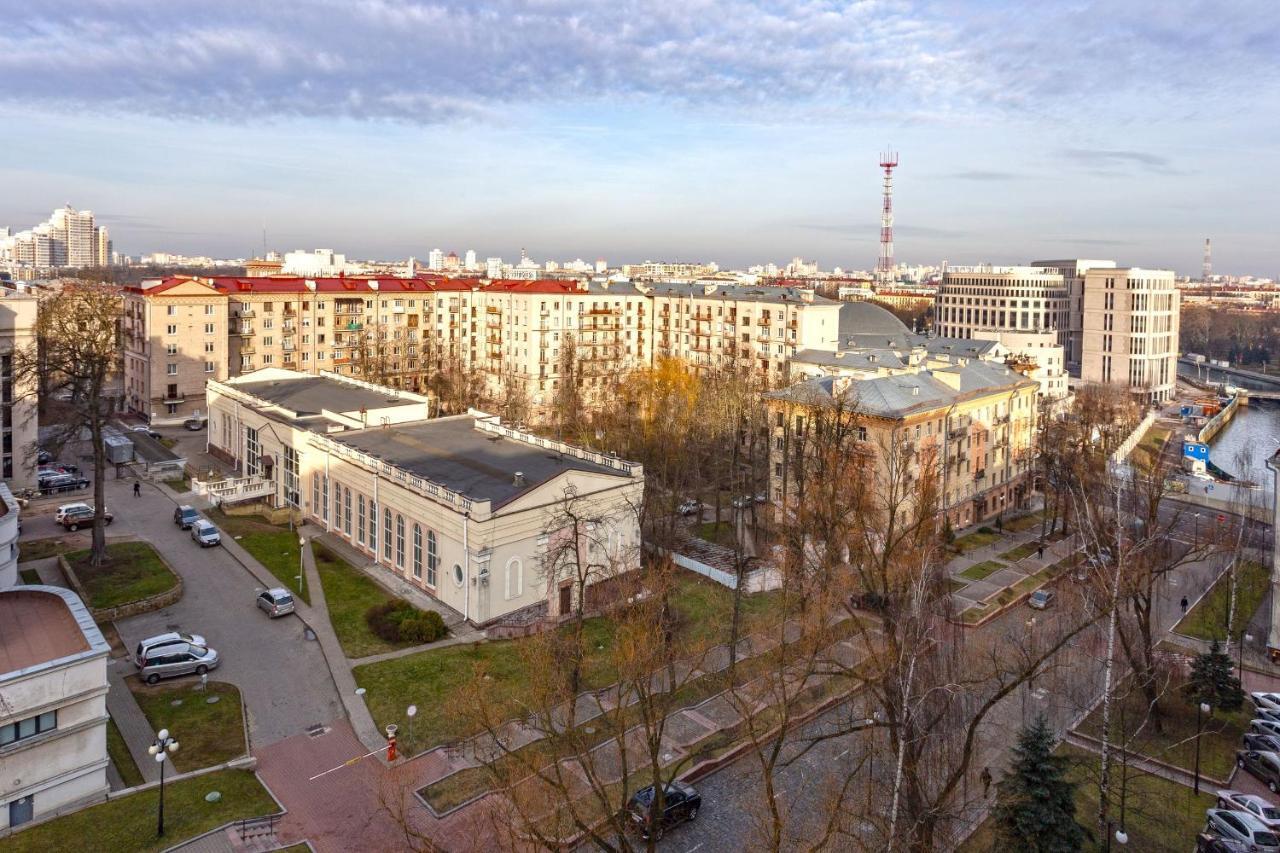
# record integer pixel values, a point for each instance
(164, 745)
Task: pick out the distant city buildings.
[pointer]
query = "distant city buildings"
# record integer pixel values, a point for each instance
(318, 262)
(68, 239)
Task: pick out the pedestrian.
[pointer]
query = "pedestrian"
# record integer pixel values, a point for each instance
(986, 782)
(1184, 604)
(1040, 550)
(137, 489)
(1000, 522)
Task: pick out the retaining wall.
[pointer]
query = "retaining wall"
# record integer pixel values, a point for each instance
(132, 608)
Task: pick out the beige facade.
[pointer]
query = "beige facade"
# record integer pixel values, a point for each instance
(19, 424)
(468, 510)
(1131, 327)
(175, 338)
(53, 717)
(1022, 299)
(1072, 271)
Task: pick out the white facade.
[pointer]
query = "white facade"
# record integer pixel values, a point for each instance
(1131, 327)
(9, 531)
(1043, 349)
(319, 262)
(469, 263)
(435, 260)
(53, 720)
(493, 267)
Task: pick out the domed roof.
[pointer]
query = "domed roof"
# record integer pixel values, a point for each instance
(867, 318)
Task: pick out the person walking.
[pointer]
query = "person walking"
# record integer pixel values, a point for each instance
(986, 782)
(1184, 604)
(137, 489)
(1040, 550)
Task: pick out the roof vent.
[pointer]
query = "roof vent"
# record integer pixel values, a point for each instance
(519, 479)
(915, 390)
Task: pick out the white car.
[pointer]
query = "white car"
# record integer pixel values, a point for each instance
(65, 508)
(1239, 801)
(1265, 700)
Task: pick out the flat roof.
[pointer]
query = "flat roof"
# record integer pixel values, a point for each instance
(454, 453)
(38, 627)
(309, 395)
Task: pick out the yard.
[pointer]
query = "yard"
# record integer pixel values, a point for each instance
(207, 733)
(272, 545)
(1208, 619)
(429, 679)
(1159, 814)
(978, 571)
(1023, 551)
(348, 592)
(719, 533)
(133, 572)
(129, 823)
(983, 536)
(1026, 522)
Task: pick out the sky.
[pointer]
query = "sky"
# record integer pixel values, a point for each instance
(653, 129)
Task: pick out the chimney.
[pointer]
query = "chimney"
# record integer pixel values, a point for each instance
(519, 480)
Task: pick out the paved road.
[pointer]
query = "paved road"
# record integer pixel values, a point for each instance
(283, 676)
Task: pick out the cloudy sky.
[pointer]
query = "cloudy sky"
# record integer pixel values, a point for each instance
(692, 129)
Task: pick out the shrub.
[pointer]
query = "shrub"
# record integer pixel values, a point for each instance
(398, 621)
(985, 529)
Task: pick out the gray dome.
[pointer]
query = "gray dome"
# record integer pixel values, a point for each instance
(867, 318)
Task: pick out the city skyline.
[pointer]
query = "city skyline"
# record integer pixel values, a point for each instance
(730, 132)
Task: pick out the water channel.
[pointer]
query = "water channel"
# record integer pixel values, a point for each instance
(1248, 440)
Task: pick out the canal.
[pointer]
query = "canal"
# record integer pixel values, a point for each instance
(1248, 440)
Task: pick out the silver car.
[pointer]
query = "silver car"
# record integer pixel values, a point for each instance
(205, 533)
(177, 659)
(1238, 801)
(277, 601)
(1242, 827)
(173, 638)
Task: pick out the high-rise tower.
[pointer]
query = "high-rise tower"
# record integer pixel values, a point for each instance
(1207, 271)
(884, 267)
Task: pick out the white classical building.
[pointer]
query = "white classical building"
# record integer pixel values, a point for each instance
(53, 704)
(469, 510)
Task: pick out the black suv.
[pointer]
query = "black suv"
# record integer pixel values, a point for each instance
(680, 802)
(185, 516)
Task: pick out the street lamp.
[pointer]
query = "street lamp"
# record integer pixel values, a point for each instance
(302, 563)
(412, 712)
(164, 745)
(1201, 709)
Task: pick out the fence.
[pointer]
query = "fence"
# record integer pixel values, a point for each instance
(717, 575)
(1126, 447)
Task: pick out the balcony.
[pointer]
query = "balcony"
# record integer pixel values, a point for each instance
(354, 326)
(493, 309)
(174, 397)
(245, 331)
(248, 349)
(246, 313)
(764, 321)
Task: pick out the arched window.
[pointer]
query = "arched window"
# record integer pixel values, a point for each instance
(360, 519)
(515, 578)
(346, 512)
(373, 528)
(386, 535)
(433, 557)
(400, 541)
(417, 551)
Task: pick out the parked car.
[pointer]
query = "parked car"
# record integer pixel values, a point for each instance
(1264, 765)
(82, 516)
(761, 498)
(65, 508)
(690, 507)
(1262, 743)
(159, 641)
(1272, 714)
(61, 483)
(51, 470)
(680, 803)
(1265, 700)
(1250, 804)
(185, 516)
(205, 533)
(277, 601)
(1041, 599)
(1265, 727)
(177, 659)
(742, 501)
(1238, 826)
(148, 430)
(1207, 842)
(194, 424)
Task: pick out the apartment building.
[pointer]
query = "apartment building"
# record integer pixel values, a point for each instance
(1072, 271)
(1014, 299)
(53, 717)
(463, 507)
(969, 424)
(19, 423)
(175, 338)
(1130, 330)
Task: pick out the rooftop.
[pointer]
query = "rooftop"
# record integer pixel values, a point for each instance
(457, 454)
(42, 626)
(740, 293)
(309, 395)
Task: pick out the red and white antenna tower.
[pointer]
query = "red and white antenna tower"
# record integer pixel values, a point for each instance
(884, 267)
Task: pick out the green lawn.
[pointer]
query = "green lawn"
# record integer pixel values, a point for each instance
(1026, 522)
(29, 576)
(1159, 814)
(1208, 619)
(179, 484)
(274, 546)
(954, 585)
(207, 734)
(121, 757)
(134, 571)
(348, 592)
(1176, 745)
(975, 540)
(720, 534)
(1147, 453)
(39, 549)
(129, 823)
(978, 571)
(1021, 552)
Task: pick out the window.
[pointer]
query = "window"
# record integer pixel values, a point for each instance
(171, 349)
(208, 309)
(315, 492)
(373, 527)
(417, 551)
(515, 578)
(337, 506)
(291, 479)
(209, 367)
(324, 497)
(171, 310)
(30, 727)
(400, 540)
(360, 519)
(208, 346)
(171, 369)
(433, 557)
(171, 329)
(251, 451)
(386, 535)
(457, 574)
(346, 512)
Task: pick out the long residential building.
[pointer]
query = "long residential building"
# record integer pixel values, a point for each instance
(471, 511)
(521, 337)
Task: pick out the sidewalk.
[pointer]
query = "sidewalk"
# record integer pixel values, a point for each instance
(133, 725)
(974, 592)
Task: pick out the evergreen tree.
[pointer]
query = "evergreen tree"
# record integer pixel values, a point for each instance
(1213, 682)
(1036, 810)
